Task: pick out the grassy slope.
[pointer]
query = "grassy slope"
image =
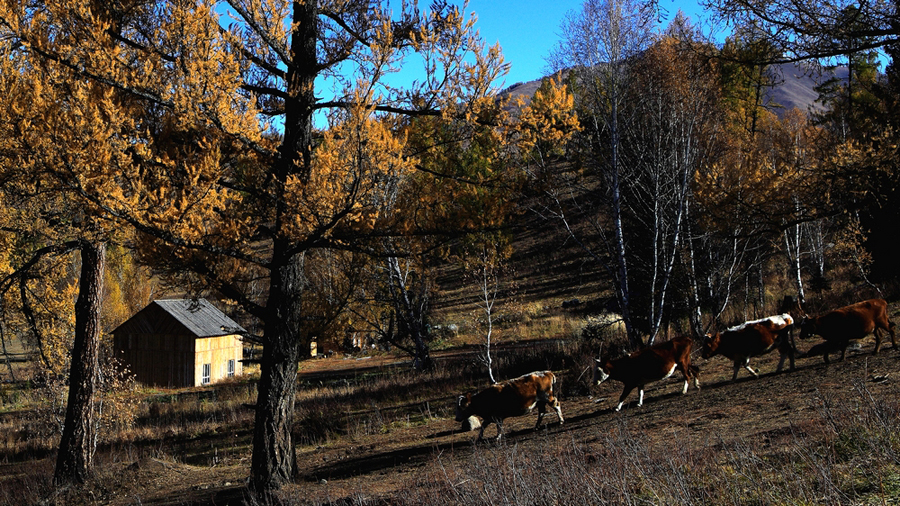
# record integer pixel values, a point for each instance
(820, 433)
(371, 430)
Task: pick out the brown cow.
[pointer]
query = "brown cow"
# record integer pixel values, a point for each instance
(752, 339)
(515, 397)
(845, 324)
(655, 363)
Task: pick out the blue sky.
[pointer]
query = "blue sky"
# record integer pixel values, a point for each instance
(528, 29)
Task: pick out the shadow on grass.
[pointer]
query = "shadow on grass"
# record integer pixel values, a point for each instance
(420, 454)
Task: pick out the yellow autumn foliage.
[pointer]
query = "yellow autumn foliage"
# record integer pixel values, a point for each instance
(195, 126)
(549, 120)
(762, 176)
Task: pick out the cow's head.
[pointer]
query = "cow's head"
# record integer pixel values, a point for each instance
(462, 402)
(711, 345)
(808, 327)
(601, 370)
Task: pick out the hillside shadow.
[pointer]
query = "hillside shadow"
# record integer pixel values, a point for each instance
(374, 462)
(420, 454)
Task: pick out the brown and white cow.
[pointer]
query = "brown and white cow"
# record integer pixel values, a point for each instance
(752, 339)
(655, 363)
(848, 323)
(515, 397)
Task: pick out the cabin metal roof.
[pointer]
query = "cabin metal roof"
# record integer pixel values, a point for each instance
(198, 316)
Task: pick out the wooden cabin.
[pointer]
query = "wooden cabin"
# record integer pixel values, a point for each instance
(178, 343)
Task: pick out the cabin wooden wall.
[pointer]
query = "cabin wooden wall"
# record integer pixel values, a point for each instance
(176, 361)
(160, 351)
(217, 351)
(165, 360)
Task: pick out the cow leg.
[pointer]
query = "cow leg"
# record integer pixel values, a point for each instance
(745, 365)
(786, 347)
(499, 430)
(627, 390)
(687, 382)
(781, 363)
(558, 411)
(554, 403)
(542, 408)
(487, 421)
(750, 369)
(791, 346)
(640, 395)
(686, 371)
(889, 327)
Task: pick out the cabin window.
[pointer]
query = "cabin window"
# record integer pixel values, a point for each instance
(204, 379)
(230, 368)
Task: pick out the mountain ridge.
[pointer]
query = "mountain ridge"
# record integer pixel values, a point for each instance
(795, 87)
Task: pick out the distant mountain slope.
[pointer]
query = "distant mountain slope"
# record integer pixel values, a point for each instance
(795, 87)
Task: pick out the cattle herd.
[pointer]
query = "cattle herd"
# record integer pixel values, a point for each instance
(519, 396)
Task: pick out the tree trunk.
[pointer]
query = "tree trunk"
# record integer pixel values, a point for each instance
(488, 296)
(410, 313)
(624, 294)
(792, 246)
(9, 366)
(693, 295)
(274, 460)
(76, 449)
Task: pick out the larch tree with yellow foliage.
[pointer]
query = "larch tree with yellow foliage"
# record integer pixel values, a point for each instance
(544, 126)
(51, 135)
(260, 137)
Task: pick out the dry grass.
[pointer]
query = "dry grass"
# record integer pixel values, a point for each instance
(375, 401)
(209, 427)
(35, 426)
(848, 455)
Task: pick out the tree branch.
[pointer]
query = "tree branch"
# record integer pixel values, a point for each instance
(273, 45)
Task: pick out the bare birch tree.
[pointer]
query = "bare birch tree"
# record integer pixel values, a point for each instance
(485, 263)
(676, 119)
(597, 44)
